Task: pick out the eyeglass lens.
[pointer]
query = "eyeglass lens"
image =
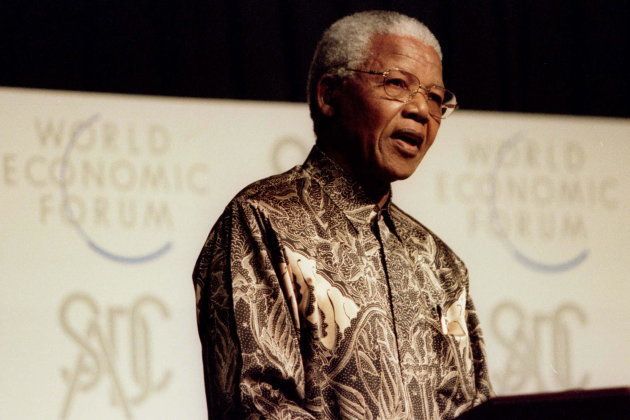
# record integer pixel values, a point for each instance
(403, 86)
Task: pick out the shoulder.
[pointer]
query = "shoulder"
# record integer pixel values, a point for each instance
(272, 187)
(272, 193)
(259, 212)
(279, 201)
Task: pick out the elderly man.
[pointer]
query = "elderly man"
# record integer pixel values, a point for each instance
(318, 297)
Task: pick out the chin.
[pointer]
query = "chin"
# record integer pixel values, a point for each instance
(400, 172)
(390, 175)
(401, 176)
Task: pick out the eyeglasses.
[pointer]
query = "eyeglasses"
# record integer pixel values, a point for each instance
(403, 86)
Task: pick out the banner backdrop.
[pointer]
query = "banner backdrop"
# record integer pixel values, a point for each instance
(107, 200)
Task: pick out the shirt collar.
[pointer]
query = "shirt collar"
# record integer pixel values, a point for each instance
(344, 190)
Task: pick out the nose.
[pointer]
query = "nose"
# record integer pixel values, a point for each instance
(417, 106)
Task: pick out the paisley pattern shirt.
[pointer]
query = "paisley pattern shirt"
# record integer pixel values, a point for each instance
(313, 303)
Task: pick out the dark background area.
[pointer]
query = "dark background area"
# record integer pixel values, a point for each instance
(564, 57)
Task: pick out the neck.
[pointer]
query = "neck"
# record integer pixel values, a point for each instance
(377, 190)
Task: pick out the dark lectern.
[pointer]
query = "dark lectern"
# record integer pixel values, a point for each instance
(611, 403)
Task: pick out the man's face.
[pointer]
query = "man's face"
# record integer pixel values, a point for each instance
(378, 138)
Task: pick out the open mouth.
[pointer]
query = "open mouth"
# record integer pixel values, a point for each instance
(410, 137)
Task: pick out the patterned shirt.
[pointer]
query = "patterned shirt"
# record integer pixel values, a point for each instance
(314, 303)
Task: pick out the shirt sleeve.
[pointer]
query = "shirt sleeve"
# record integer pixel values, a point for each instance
(250, 342)
(482, 379)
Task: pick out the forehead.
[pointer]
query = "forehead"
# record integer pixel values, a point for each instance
(405, 52)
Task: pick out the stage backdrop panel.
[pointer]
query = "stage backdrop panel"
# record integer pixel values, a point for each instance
(107, 200)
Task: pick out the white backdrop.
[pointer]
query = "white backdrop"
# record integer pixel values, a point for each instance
(107, 199)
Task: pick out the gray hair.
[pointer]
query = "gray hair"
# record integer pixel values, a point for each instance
(347, 41)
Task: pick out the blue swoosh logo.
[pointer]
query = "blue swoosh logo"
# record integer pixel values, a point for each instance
(527, 261)
(99, 249)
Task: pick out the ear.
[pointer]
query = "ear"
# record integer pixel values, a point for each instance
(326, 93)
